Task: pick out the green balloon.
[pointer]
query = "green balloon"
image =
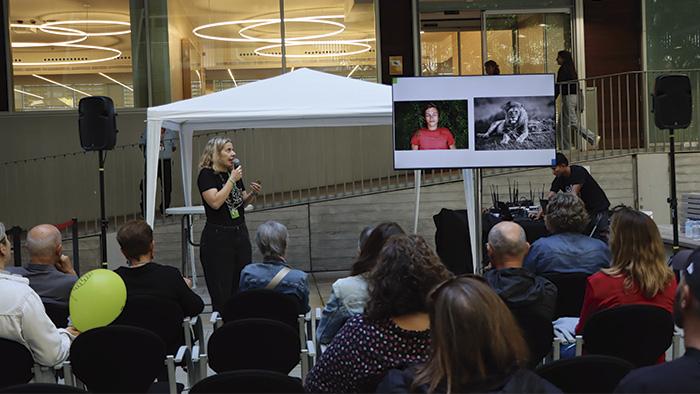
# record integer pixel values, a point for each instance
(97, 298)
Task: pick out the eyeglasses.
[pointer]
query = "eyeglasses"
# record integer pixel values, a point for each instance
(434, 293)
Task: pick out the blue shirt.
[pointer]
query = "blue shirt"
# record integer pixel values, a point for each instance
(567, 252)
(348, 298)
(295, 283)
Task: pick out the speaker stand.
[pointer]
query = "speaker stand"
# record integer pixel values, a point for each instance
(673, 200)
(103, 219)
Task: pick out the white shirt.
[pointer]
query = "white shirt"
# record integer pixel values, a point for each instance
(24, 320)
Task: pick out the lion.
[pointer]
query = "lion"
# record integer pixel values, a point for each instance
(515, 124)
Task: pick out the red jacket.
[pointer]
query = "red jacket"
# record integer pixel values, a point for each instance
(604, 291)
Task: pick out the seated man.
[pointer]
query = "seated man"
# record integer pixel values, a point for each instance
(50, 273)
(144, 277)
(22, 316)
(274, 273)
(518, 287)
(567, 249)
(681, 375)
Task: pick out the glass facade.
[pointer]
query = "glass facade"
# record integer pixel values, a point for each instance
(217, 45)
(61, 53)
(673, 34)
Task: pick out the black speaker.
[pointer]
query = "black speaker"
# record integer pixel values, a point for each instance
(97, 123)
(673, 106)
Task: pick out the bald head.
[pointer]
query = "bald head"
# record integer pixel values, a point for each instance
(44, 244)
(507, 245)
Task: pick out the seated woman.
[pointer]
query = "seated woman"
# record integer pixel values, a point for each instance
(274, 273)
(349, 295)
(144, 277)
(394, 331)
(476, 347)
(638, 274)
(23, 319)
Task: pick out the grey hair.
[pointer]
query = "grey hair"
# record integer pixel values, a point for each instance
(211, 149)
(271, 239)
(43, 246)
(505, 245)
(566, 213)
(3, 235)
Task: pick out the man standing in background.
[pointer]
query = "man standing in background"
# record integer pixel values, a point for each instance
(165, 156)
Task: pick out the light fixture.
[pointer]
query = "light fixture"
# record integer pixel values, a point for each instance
(235, 84)
(117, 82)
(263, 22)
(353, 70)
(356, 43)
(29, 94)
(341, 28)
(116, 52)
(61, 85)
(50, 27)
(17, 44)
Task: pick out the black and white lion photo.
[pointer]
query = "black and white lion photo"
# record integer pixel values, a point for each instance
(514, 123)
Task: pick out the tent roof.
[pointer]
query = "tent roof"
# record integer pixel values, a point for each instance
(302, 98)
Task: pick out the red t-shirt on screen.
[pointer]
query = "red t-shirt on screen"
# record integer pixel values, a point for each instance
(440, 138)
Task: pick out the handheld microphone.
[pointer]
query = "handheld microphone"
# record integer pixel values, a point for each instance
(236, 163)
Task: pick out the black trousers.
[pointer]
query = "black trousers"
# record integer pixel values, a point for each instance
(224, 251)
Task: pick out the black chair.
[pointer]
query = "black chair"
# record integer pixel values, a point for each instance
(117, 359)
(586, 374)
(254, 344)
(639, 334)
(16, 363)
(57, 313)
(262, 304)
(248, 381)
(571, 288)
(162, 316)
(537, 331)
(43, 388)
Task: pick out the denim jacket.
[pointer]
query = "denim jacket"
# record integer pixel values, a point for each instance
(295, 283)
(348, 298)
(567, 252)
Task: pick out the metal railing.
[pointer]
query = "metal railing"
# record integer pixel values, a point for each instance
(617, 108)
(299, 166)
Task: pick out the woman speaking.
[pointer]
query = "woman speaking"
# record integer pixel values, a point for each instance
(225, 246)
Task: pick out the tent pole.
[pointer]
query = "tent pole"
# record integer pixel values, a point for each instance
(472, 196)
(417, 181)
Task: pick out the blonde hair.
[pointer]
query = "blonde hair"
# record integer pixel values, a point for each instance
(213, 147)
(638, 253)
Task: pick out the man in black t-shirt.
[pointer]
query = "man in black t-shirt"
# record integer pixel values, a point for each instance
(575, 179)
(681, 375)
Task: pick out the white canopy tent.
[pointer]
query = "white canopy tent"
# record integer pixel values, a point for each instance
(302, 98)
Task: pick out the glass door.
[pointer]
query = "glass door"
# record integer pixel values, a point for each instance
(526, 42)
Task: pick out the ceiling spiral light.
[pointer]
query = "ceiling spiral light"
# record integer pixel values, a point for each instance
(18, 44)
(276, 42)
(58, 28)
(53, 27)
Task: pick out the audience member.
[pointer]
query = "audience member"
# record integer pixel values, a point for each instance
(50, 272)
(492, 68)
(144, 277)
(638, 275)
(22, 315)
(349, 295)
(518, 287)
(476, 347)
(681, 375)
(394, 331)
(567, 249)
(274, 273)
